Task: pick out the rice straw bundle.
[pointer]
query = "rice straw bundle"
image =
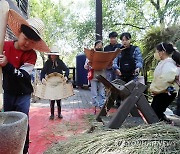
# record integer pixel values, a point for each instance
(145, 139)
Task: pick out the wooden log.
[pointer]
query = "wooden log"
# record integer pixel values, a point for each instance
(120, 90)
(147, 110)
(134, 112)
(123, 92)
(117, 89)
(106, 83)
(118, 81)
(125, 108)
(4, 9)
(130, 85)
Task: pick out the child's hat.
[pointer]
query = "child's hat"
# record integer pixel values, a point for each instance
(15, 21)
(54, 51)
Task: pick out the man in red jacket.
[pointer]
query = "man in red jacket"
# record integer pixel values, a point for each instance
(18, 60)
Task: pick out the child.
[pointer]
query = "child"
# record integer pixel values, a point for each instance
(18, 61)
(163, 86)
(97, 88)
(54, 64)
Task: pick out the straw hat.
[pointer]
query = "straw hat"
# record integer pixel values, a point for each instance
(54, 51)
(15, 21)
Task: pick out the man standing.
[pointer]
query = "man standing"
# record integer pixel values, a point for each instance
(110, 73)
(129, 62)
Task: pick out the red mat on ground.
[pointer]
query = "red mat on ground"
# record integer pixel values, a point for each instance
(45, 132)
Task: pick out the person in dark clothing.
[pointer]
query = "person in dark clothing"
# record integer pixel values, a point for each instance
(54, 64)
(110, 73)
(177, 111)
(113, 42)
(129, 62)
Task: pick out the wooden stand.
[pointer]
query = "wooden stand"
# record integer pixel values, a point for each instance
(132, 100)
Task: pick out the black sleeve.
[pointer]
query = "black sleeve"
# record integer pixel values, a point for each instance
(106, 48)
(16, 73)
(64, 68)
(44, 70)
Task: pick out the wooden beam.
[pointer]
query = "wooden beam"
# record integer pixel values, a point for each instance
(98, 19)
(107, 106)
(147, 110)
(126, 107)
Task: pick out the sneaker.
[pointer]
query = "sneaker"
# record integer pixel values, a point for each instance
(51, 117)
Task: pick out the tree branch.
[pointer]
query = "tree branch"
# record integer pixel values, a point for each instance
(167, 1)
(128, 24)
(155, 4)
(145, 18)
(158, 3)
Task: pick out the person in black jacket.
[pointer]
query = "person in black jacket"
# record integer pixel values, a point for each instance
(110, 73)
(128, 63)
(54, 64)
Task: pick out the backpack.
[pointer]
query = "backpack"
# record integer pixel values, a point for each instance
(127, 62)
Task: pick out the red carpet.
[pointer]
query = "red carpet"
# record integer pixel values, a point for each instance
(45, 132)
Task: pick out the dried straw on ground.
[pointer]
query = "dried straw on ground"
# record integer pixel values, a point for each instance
(145, 139)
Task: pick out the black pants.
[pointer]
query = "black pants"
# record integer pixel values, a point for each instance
(178, 104)
(52, 107)
(53, 103)
(161, 102)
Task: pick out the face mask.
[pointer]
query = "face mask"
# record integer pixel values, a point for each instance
(99, 49)
(156, 56)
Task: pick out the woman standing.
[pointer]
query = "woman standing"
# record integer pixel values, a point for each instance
(163, 86)
(54, 64)
(97, 88)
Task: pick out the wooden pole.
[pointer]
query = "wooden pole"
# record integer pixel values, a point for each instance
(4, 9)
(98, 20)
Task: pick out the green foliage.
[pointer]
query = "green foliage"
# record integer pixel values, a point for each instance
(52, 15)
(155, 36)
(139, 16)
(66, 27)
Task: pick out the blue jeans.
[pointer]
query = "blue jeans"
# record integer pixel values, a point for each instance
(20, 103)
(98, 93)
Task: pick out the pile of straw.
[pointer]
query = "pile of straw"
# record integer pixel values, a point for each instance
(145, 139)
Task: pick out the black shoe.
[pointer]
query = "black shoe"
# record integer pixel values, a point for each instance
(60, 116)
(51, 117)
(59, 113)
